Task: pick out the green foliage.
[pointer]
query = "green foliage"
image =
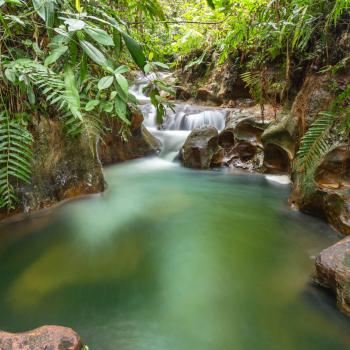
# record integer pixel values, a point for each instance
(317, 141)
(70, 59)
(15, 158)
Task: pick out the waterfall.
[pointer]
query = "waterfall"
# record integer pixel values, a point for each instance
(178, 122)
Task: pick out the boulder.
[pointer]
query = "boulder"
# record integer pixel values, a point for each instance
(280, 143)
(200, 148)
(63, 167)
(333, 272)
(116, 147)
(334, 171)
(329, 196)
(241, 140)
(43, 338)
(250, 129)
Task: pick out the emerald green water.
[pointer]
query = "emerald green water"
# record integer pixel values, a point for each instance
(172, 259)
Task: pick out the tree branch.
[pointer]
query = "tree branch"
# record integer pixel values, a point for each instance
(180, 22)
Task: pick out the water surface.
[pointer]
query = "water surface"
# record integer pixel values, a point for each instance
(172, 259)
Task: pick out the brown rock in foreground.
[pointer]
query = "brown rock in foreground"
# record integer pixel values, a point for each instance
(43, 338)
(333, 272)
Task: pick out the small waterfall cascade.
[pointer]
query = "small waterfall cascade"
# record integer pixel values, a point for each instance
(179, 122)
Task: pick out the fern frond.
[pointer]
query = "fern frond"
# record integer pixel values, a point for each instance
(15, 158)
(315, 142)
(61, 91)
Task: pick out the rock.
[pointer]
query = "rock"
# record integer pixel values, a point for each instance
(329, 198)
(227, 138)
(336, 206)
(182, 93)
(200, 148)
(250, 129)
(223, 81)
(241, 140)
(334, 171)
(43, 338)
(280, 142)
(245, 150)
(226, 82)
(333, 272)
(114, 148)
(314, 97)
(246, 156)
(205, 95)
(64, 167)
(218, 159)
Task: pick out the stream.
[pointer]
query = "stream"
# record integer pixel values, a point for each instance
(173, 259)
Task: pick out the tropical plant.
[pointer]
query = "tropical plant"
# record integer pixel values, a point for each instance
(15, 158)
(71, 59)
(318, 140)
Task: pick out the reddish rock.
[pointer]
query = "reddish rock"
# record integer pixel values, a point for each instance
(333, 272)
(43, 338)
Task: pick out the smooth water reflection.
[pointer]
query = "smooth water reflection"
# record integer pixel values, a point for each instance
(172, 259)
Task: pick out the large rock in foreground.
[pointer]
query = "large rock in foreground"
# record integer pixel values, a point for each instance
(333, 272)
(200, 148)
(43, 338)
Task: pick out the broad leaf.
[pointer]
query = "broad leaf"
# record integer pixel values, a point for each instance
(105, 82)
(122, 69)
(95, 54)
(107, 107)
(99, 36)
(120, 110)
(91, 105)
(135, 50)
(123, 83)
(55, 55)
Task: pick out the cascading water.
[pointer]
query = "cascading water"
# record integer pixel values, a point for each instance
(178, 122)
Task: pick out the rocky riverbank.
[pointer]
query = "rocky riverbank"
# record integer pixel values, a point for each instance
(67, 167)
(269, 143)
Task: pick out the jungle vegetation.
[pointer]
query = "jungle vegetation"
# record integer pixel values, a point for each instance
(74, 60)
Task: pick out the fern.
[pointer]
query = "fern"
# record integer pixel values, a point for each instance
(15, 158)
(339, 8)
(60, 91)
(315, 142)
